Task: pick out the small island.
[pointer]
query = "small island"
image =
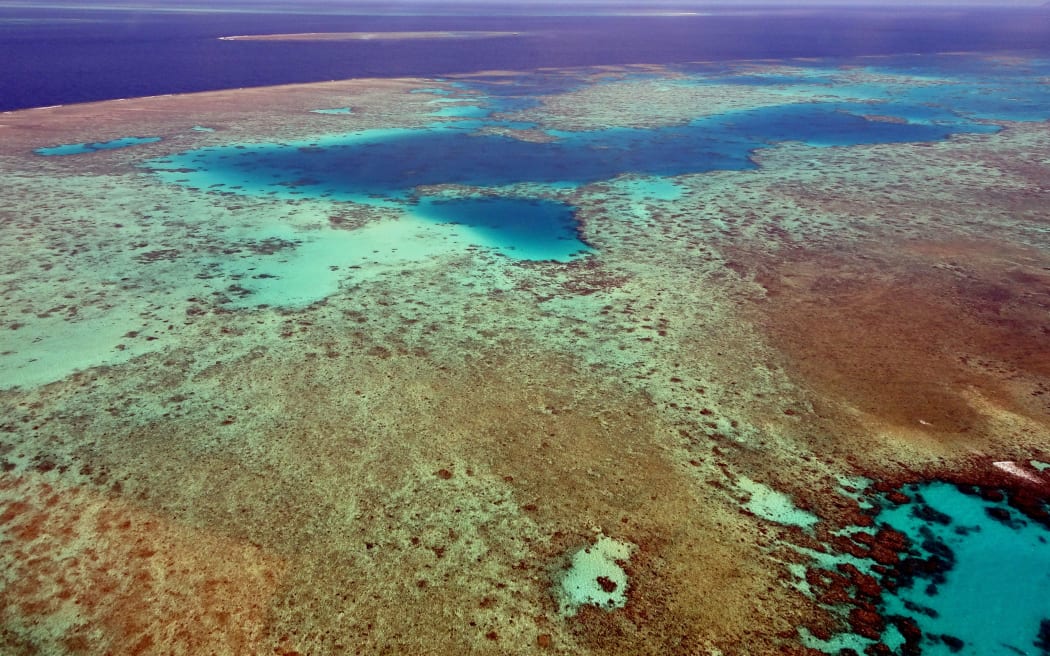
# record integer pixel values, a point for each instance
(369, 36)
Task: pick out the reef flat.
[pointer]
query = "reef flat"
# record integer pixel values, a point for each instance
(704, 359)
(370, 36)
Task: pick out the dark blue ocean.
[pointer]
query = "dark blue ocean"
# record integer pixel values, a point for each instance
(53, 56)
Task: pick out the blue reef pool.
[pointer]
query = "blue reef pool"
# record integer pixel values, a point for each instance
(81, 148)
(468, 150)
(392, 163)
(526, 229)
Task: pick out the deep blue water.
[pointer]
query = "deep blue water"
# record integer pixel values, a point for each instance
(75, 55)
(524, 228)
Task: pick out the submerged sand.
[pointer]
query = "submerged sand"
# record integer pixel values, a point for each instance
(409, 465)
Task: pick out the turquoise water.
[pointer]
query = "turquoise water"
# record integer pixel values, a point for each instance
(80, 148)
(336, 111)
(994, 592)
(462, 111)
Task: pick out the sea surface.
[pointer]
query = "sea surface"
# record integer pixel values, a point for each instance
(61, 56)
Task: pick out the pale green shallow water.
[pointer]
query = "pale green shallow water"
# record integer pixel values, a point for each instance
(82, 148)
